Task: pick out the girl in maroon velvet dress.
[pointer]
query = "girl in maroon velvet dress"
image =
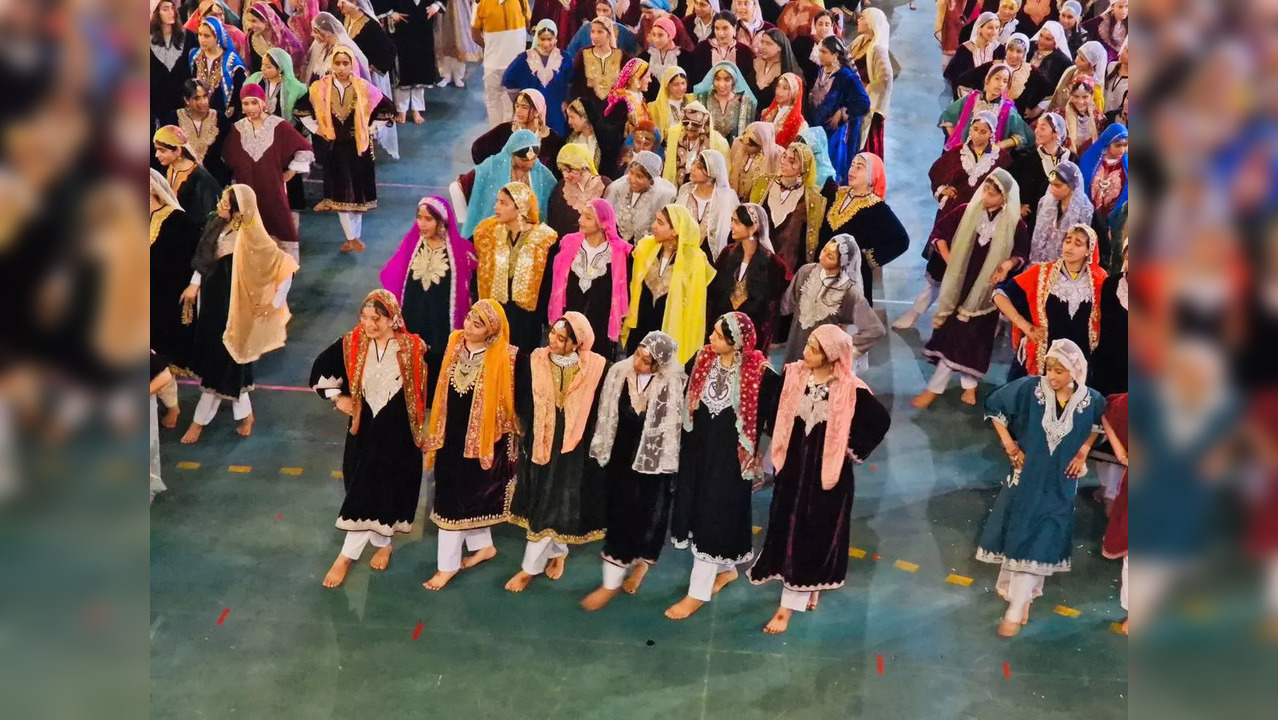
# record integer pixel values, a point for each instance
(1114, 545)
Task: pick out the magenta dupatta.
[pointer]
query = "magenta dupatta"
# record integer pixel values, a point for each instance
(958, 137)
(461, 261)
(568, 247)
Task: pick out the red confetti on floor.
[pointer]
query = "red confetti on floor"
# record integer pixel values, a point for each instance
(222, 618)
(879, 660)
(874, 467)
(279, 516)
(417, 631)
(876, 556)
(1007, 671)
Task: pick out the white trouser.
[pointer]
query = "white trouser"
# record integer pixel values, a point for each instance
(352, 224)
(355, 541)
(453, 542)
(412, 97)
(293, 249)
(157, 485)
(941, 378)
(613, 575)
(795, 600)
(1111, 477)
(1019, 589)
(168, 395)
(538, 553)
(497, 98)
(1273, 585)
(451, 68)
(928, 295)
(209, 402)
(701, 581)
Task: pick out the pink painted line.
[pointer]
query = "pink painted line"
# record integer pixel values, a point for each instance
(222, 618)
(281, 388)
(417, 631)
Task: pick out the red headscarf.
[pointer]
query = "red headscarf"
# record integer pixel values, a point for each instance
(793, 123)
(739, 330)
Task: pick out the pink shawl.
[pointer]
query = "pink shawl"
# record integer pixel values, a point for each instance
(568, 247)
(579, 396)
(959, 136)
(300, 21)
(837, 346)
(461, 261)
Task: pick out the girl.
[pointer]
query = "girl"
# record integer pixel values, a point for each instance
(580, 185)
(839, 103)
(412, 30)
(874, 67)
(591, 275)
(830, 291)
(748, 275)
(667, 110)
(726, 94)
(668, 283)
(544, 68)
(773, 59)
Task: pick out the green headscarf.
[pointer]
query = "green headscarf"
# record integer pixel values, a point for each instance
(291, 89)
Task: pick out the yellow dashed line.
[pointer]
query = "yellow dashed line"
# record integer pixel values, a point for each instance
(240, 468)
(188, 465)
(1067, 611)
(906, 566)
(756, 529)
(291, 471)
(337, 474)
(1116, 628)
(857, 553)
(958, 580)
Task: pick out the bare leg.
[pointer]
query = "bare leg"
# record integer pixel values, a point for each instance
(192, 434)
(381, 558)
(812, 603)
(170, 417)
(632, 583)
(683, 608)
(245, 427)
(779, 622)
(555, 567)
(484, 555)
(924, 399)
(723, 578)
(337, 573)
(519, 582)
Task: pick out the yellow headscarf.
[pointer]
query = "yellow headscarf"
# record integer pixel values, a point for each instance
(525, 200)
(659, 109)
(685, 317)
(576, 155)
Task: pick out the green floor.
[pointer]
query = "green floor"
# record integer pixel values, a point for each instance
(241, 627)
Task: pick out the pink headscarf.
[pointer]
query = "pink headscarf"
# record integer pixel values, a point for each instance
(568, 247)
(281, 36)
(461, 261)
(300, 22)
(837, 346)
(665, 23)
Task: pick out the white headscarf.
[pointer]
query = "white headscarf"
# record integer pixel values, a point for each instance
(762, 234)
(981, 21)
(850, 259)
(160, 188)
(1071, 357)
(716, 167)
(1098, 56)
(1057, 31)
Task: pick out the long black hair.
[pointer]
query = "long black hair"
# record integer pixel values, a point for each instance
(838, 48)
(178, 35)
(789, 63)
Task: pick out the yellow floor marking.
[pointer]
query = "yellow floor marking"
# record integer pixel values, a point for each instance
(1067, 611)
(958, 580)
(337, 474)
(756, 529)
(188, 465)
(1116, 628)
(906, 566)
(856, 553)
(291, 471)
(240, 468)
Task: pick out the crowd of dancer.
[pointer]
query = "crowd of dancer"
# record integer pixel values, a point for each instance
(576, 339)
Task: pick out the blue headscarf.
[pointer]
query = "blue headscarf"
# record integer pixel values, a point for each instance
(658, 4)
(494, 173)
(706, 86)
(230, 59)
(1091, 160)
(815, 138)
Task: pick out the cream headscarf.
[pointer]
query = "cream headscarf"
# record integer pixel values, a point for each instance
(254, 325)
(978, 300)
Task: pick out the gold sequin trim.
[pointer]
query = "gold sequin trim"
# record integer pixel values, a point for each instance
(840, 213)
(157, 220)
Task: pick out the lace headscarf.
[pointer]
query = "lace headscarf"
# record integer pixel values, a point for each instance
(660, 404)
(1046, 240)
(1071, 357)
(737, 329)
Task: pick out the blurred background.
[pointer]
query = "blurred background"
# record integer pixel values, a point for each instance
(74, 147)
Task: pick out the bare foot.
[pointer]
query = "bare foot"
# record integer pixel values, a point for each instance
(337, 574)
(723, 578)
(1008, 628)
(555, 568)
(924, 399)
(683, 608)
(245, 427)
(170, 417)
(400, 119)
(417, 118)
(346, 247)
(812, 601)
(192, 433)
(635, 579)
(357, 246)
(1122, 628)
(969, 396)
(597, 599)
(519, 582)
(438, 580)
(487, 553)
(779, 622)
(381, 558)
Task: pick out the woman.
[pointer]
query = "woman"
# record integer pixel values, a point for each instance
(216, 64)
(731, 400)
(860, 209)
(301, 13)
(218, 10)
(1116, 82)
(455, 44)
(663, 51)
(805, 44)
(512, 248)
(376, 375)
(1052, 52)
(795, 206)
(196, 189)
(362, 27)
(1047, 426)
(1090, 62)
(978, 50)
(957, 173)
(754, 154)
(726, 94)
(636, 442)
(330, 34)
(1028, 87)
(684, 144)
(559, 494)
(546, 70)
(581, 185)
(672, 95)
(829, 291)
(668, 283)
(559, 13)
(241, 279)
(873, 65)
(795, 19)
(710, 200)
(722, 46)
(625, 37)
(595, 69)
(639, 195)
(283, 91)
(174, 237)
(1064, 205)
(430, 277)
(170, 45)
(517, 161)
(1104, 167)
(978, 246)
(785, 113)
(749, 277)
(1071, 21)
(1109, 358)
(472, 446)
(643, 138)
(530, 114)
(582, 121)
(625, 106)
(699, 20)
(1110, 27)
(951, 16)
(827, 420)
(266, 30)
(350, 177)
(591, 275)
(1033, 13)
(412, 30)
(1054, 299)
(1010, 131)
(773, 59)
(750, 23)
(839, 102)
(1082, 119)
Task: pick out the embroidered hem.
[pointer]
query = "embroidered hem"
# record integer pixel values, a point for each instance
(360, 525)
(684, 545)
(531, 536)
(626, 564)
(820, 587)
(1032, 567)
(938, 358)
(334, 206)
(471, 523)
